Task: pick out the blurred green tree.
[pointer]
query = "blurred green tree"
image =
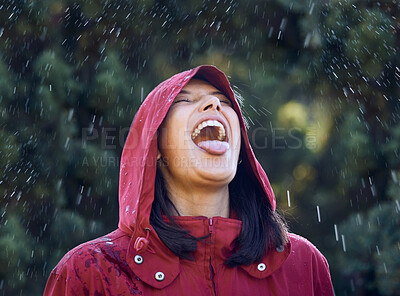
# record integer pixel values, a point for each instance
(321, 88)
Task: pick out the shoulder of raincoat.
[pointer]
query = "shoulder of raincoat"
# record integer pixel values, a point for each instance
(132, 260)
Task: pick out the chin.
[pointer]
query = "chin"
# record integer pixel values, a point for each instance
(215, 174)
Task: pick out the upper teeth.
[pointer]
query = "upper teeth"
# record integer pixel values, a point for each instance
(221, 129)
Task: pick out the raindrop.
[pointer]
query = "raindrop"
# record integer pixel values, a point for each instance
(78, 199)
(318, 214)
(141, 94)
(43, 35)
(218, 25)
(343, 243)
(311, 8)
(58, 186)
(345, 92)
(288, 198)
(70, 114)
(373, 190)
(336, 232)
(271, 30)
(1, 32)
(358, 219)
(66, 142)
(307, 40)
(377, 250)
(283, 24)
(394, 177)
(384, 267)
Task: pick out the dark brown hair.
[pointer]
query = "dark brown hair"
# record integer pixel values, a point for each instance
(262, 227)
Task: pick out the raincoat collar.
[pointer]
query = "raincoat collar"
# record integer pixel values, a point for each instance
(220, 241)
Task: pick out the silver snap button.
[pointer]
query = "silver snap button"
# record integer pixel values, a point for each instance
(138, 259)
(159, 276)
(261, 267)
(280, 249)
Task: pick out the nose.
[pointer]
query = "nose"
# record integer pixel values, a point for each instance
(211, 103)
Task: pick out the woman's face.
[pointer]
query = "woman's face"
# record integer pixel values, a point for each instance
(199, 140)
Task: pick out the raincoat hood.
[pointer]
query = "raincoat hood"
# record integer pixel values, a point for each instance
(139, 163)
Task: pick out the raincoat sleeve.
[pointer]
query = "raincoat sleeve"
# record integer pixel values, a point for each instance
(322, 278)
(64, 283)
(57, 285)
(73, 277)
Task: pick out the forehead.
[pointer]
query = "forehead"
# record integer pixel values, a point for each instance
(196, 84)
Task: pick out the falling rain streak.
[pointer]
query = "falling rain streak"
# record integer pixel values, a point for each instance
(343, 243)
(336, 232)
(71, 72)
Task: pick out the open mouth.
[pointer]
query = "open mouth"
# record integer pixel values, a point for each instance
(210, 135)
(209, 130)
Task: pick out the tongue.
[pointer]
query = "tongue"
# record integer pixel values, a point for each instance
(214, 147)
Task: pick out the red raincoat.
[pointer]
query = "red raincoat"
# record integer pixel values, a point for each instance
(132, 260)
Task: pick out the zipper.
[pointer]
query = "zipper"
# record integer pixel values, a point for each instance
(210, 230)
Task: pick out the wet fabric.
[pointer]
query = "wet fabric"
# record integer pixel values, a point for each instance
(132, 260)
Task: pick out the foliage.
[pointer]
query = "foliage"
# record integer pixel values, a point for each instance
(321, 86)
(372, 240)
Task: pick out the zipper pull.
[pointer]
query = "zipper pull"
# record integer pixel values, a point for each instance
(210, 225)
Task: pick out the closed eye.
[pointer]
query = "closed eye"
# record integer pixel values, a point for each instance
(226, 102)
(181, 100)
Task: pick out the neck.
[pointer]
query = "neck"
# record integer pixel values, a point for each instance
(208, 202)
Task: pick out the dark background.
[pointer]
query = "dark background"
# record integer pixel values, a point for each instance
(320, 81)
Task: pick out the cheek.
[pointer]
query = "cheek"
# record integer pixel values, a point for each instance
(172, 132)
(235, 125)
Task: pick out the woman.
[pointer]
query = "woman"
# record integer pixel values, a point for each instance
(197, 212)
